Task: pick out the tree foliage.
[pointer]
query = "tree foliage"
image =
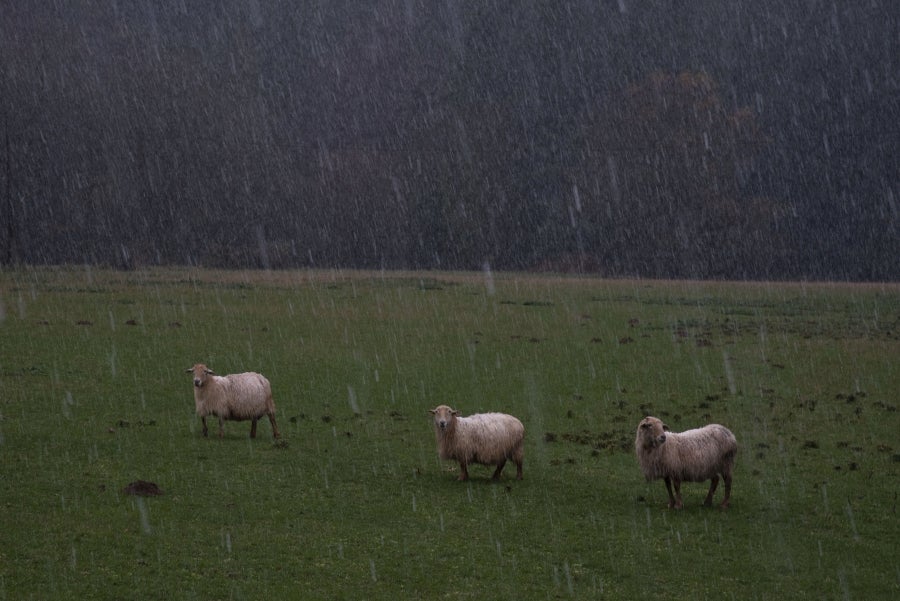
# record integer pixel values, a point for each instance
(670, 170)
(424, 135)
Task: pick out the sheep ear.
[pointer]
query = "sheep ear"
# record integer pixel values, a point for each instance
(454, 412)
(209, 371)
(665, 428)
(432, 411)
(189, 370)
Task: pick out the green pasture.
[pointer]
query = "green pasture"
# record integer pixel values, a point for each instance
(353, 503)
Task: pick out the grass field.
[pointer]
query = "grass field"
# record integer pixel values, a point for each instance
(353, 503)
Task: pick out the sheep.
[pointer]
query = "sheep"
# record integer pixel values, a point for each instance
(691, 456)
(485, 438)
(235, 397)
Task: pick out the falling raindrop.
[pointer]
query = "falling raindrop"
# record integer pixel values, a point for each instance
(762, 339)
(729, 373)
(852, 522)
(845, 588)
(488, 278)
(67, 404)
(112, 362)
(351, 397)
(144, 514)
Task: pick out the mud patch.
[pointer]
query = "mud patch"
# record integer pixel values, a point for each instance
(142, 488)
(603, 441)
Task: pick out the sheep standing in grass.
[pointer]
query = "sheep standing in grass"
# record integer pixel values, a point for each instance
(485, 438)
(235, 397)
(690, 456)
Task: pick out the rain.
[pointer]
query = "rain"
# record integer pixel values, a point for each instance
(577, 212)
(718, 140)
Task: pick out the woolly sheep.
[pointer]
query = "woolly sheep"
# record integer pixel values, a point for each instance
(691, 456)
(485, 438)
(235, 397)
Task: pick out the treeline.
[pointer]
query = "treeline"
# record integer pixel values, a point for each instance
(713, 140)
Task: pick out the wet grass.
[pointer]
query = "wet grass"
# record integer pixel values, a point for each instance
(353, 502)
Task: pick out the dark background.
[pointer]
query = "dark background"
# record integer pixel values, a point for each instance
(661, 138)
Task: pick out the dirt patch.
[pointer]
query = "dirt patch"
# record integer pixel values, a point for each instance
(142, 488)
(610, 441)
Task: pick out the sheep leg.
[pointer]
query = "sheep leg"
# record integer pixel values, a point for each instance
(669, 490)
(674, 499)
(517, 457)
(221, 427)
(463, 472)
(205, 429)
(253, 428)
(275, 433)
(499, 469)
(727, 478)
(713, 483)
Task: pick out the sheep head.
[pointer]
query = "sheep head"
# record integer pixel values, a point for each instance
(200, 372)
(652, 432)
(443, 417)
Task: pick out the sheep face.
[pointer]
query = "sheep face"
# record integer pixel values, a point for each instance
(200, 372)
(443, 417)
(652, 432)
